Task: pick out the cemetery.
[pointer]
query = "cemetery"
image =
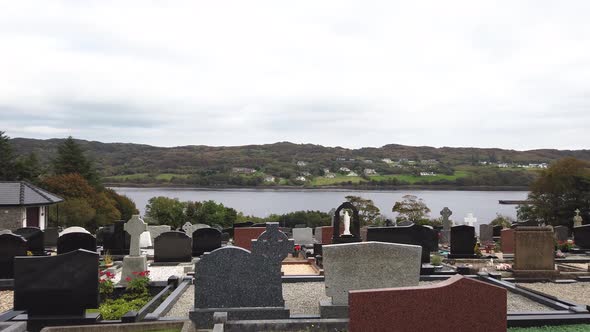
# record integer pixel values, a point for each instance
(344, 277)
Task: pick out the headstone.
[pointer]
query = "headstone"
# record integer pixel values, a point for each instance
(189, 228)
(134, 262)
(145, 240)
(561, 233)
(413, 308)
(497, 230)
(582, 236)
(355, 225)
(243, 224)
(115, 239)
(303, 236)
(205, 240)
(225, 237)
(11, 245)
(72, 241)
(324, 234)
(74, 229)
(418, 235)
(50, 236)
(243, 284)
(34, 237)
(157, 230)
(172, 247)
(366, 265)
(404, 223)
(534, 252)
(507, 241)
(577, 218)
(445, 233)
(486, 233)
(469, 220)
(462, 242)
(56, 285)
(243, 236)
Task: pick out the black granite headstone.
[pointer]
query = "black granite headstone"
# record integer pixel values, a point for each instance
(11, 245)
(74, 241)
(497, 231)
(225, 237)
(463, 242)
(56, 285)
(355, 225)
(116, 240)
(418, 235)
(172, 247)
(206, 240)
(50, 236)
(35, 239)
(582, 236)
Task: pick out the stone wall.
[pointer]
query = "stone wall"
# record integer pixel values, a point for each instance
(11, 217)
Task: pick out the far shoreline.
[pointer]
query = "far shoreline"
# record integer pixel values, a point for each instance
(322, 188)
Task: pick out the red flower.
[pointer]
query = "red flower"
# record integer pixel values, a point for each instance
(110, 275)
(128, 279)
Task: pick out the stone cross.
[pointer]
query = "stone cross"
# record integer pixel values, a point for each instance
(446, 213)
(469, 220)
(272, 244)
(577, 218)
(135, 227)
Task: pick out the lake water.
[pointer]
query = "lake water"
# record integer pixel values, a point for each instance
(262, 202)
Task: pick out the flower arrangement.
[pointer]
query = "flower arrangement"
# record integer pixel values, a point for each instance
(564, 246)
(503, 267)
(135, 297)
(105, 284)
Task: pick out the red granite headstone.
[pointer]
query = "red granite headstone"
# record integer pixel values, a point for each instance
(457, 304)
(327, 233)
(507, 239)
(243, 236)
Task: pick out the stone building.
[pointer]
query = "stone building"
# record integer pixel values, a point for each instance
(24, 205)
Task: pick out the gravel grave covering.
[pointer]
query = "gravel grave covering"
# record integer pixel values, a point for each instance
(304, 298)
(578, 292)
(298, 269)
(6, 300)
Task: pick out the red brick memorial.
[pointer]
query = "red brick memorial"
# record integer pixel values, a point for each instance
(507, 239)
(457, 304)
(243, 236)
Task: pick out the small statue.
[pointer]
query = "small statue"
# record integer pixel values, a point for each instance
(577, 218)
(346, 224)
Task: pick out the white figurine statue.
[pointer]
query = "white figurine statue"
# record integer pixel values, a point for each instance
(346, 224)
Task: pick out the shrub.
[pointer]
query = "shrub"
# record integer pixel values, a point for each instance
(436, 260)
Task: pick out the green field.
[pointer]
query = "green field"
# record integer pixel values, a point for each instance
(322, 181)
(143, 176)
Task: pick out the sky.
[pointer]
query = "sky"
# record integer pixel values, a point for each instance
(507, 74)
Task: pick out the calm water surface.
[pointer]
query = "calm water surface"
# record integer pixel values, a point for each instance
(262, 202)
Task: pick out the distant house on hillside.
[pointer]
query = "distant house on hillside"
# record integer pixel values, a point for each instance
(330, 175)
(344, 169)
(351, 173)
(427, 174)
(301, 178)
(269, 178)
(24, 205)
(301, 163)
(243, 170)
(369, 171)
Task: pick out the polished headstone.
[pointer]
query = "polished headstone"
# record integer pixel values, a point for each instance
(50, 236)
(355, 225)
(189, 228)
(418, 235)
(232, 277)
(367, 265)
(74, 229)
(35, 239)
(73, 241)
(582, 236)
(115, 240)
(172, 247)
(497, 231)
(463, 242)
(561, 233)
(486, 233)
(205, 240)
(56, 285)
(303, 236)
(11, 245)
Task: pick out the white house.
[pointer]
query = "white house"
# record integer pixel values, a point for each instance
(24, 205)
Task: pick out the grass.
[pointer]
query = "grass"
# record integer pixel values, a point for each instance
(562, 328)
(322, 181)
(141, 176)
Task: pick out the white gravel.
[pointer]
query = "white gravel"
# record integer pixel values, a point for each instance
(6, 300)
(184, 304)
(158, 273)
(578, 292)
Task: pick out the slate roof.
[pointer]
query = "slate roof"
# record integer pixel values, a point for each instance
(22, 193)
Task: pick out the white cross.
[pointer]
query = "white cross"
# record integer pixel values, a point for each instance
(135, 226)
(470, 219)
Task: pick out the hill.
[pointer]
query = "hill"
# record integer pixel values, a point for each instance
(286, 163)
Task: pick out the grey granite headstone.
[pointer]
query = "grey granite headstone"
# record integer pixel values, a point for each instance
(172, 247)
(303, 236)
(369, 265)
(445, 214)
(155, 231)
(486, 233)
(245, 284)
(561, 233)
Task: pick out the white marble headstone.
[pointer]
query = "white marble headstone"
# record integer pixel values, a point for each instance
(469, 220)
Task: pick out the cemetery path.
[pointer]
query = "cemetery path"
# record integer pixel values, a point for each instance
(6, 300)
(184, 304)
(576, 292)
(304, 297)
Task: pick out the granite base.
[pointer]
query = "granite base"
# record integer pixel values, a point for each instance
(535, 274)
(203, 318)
(329, 310)
(132, 264)
(467, 256)
(37, 323)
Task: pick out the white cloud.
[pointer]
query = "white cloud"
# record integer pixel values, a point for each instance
(362, 73)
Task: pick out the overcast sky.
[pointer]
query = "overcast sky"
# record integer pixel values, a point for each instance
(509, 74)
